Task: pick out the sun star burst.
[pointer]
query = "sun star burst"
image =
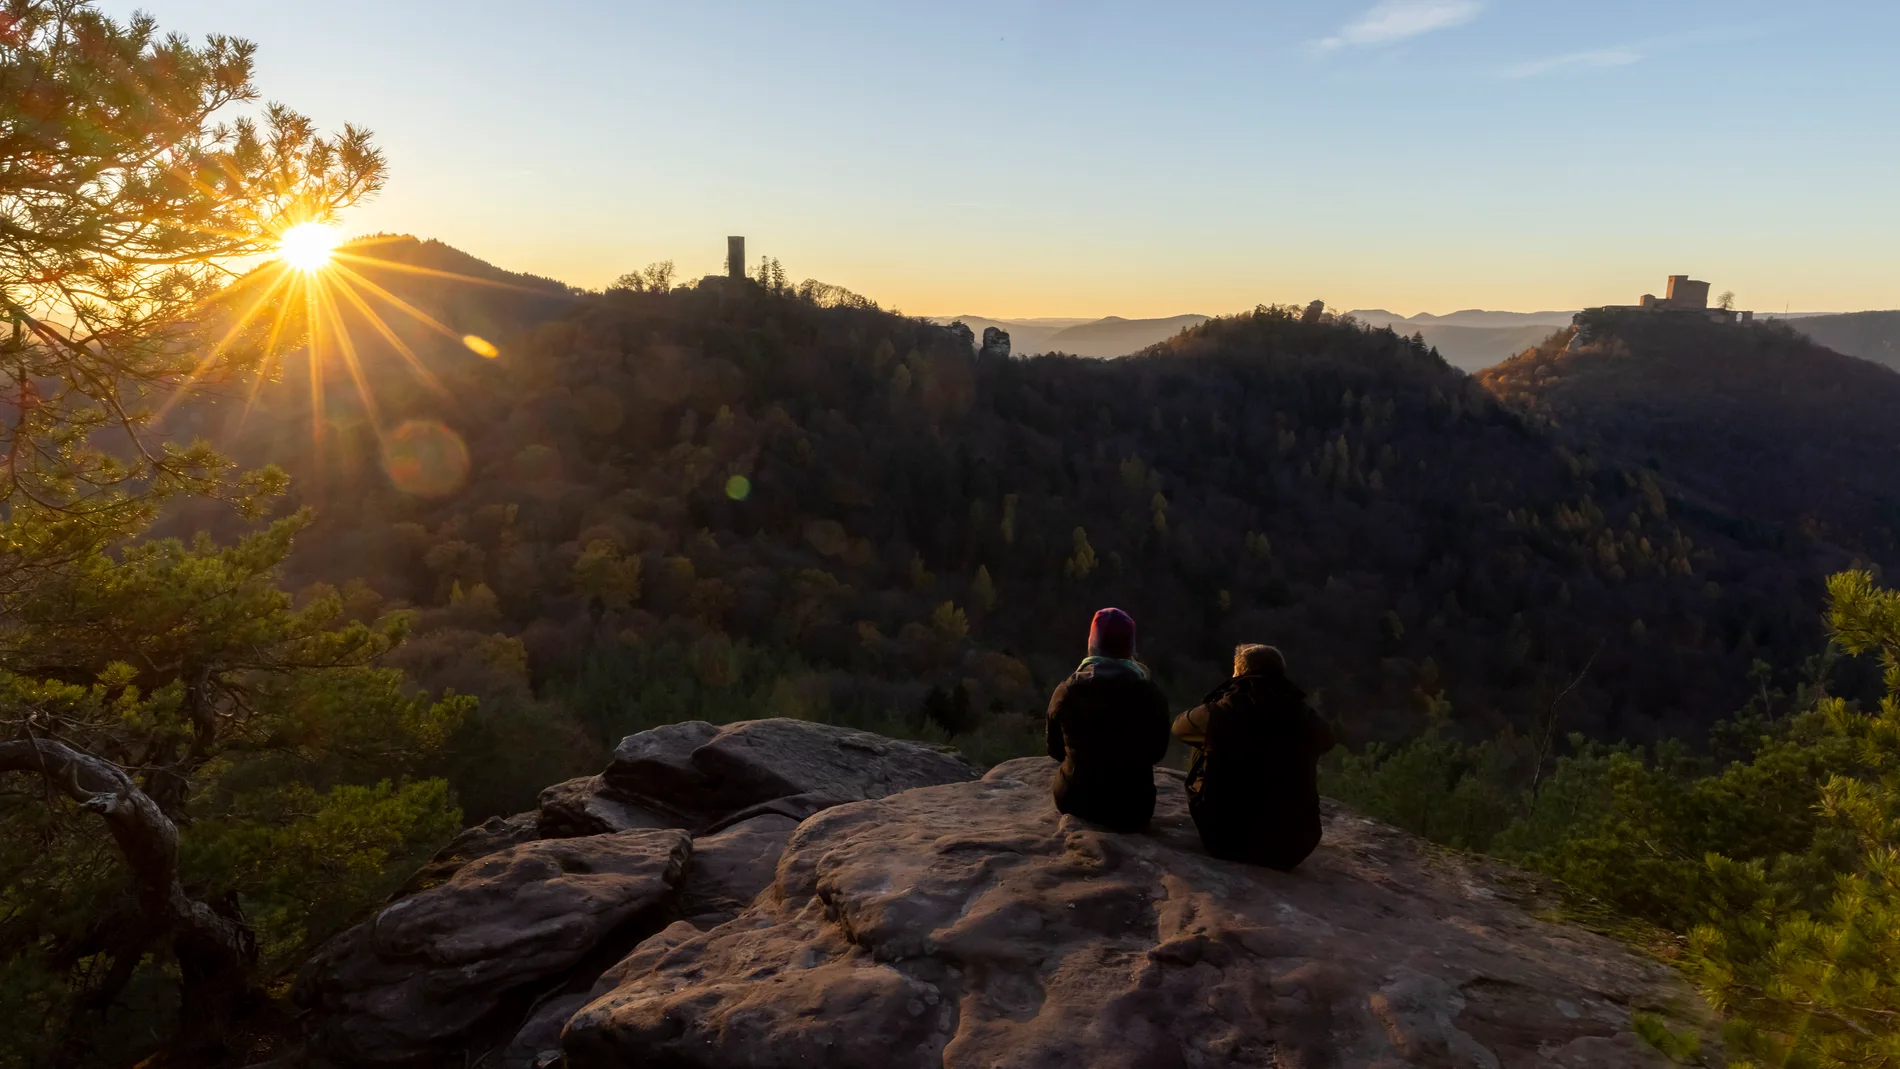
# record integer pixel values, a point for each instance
(308, 246)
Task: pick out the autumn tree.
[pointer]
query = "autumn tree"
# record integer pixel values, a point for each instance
(606, 579)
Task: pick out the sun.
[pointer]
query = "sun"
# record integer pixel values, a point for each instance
(308, 246)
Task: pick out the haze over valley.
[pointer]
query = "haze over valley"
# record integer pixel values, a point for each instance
(1472, 339)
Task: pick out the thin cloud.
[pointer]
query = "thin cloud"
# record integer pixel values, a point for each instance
(1596, 59)
(1397, 20)
(1639, 51)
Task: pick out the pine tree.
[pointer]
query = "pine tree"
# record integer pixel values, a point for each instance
(182, 743)
(125, 200)
(1821, 989)
(174, 692)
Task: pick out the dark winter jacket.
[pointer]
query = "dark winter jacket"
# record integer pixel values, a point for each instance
(1108, 725)
(1254, 788)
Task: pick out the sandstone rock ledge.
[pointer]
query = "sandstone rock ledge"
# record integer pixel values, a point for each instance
(969, 925)
(485, 952)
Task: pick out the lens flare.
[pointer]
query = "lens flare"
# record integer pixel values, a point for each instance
(311, 288)
(738, 488)
(308, 246)
(425, 458)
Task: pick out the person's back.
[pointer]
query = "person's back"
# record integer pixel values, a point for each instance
(1254, 790)
(1108, 725)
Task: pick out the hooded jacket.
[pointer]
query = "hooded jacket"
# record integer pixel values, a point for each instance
(1254, 788)
(1108, 725)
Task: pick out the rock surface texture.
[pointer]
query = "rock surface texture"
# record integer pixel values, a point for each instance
(731, 867)
(969, 924)
(508, 929)
(701, 771)
(426, 970)
(493, 834)
(816, 896)
(586, 806)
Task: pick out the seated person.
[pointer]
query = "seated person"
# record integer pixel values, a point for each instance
(1254, 787)
(1108, 725)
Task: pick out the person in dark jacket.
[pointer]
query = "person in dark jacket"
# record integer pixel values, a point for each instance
(1108, 725)
(1254, 787)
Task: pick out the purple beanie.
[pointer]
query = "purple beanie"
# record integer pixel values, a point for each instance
(1112, 634)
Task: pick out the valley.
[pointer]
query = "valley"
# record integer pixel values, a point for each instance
(917, 521)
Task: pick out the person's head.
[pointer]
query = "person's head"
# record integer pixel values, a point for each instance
(1112, 634)
(1254, 659)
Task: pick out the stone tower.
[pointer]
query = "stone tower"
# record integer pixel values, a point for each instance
(1688, 293)
(735, 257)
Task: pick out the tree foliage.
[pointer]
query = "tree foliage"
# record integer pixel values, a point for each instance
(1773, 852)
(199, 774)
(122, 201)
(1274, 475)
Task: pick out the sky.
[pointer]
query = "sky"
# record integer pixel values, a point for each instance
(1063, 158)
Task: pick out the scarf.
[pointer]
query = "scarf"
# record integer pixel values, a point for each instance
(1095, 660)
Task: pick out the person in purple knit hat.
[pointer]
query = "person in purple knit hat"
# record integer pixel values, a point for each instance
(1108, 725)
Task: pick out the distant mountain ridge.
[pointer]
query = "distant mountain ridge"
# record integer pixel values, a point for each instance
(1871, 336)
(1471, 339)
(1105, 337)
(1026, 336)
(1469, 317)
(1115, 336)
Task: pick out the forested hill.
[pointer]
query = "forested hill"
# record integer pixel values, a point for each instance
(1771, 435)
(729, 500)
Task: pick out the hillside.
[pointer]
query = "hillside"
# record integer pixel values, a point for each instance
(1471, 340)
(1869, 335)
(1792, 440)
(1475, 348)
(726, 501)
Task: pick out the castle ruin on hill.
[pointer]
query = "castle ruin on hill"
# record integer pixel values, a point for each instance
(1685, 295)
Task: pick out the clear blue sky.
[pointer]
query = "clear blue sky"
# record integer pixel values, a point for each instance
(1054, 158)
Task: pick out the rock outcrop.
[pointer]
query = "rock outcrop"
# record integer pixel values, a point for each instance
(509, 922)
(427, 969)
(995, 342)
(828, 897)
(702, 773)
(971, 925)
